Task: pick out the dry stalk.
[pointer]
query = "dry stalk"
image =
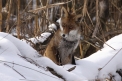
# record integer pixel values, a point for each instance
(8, 16)
(7, 5)
(81, 50)
(71, 69)
(105, 43)
(84, 11)
(44, 19)
(97, 19)
(49, 6)
(0, 15)
(90, 18)
(26, 7)
(92, 44)
(18, 19)
(116, 7)
(48, 12)
(36, 28)
(55, 73)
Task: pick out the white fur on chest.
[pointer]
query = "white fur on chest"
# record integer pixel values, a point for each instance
(66, 49)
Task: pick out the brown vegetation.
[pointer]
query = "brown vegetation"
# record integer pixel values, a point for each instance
(101, 19)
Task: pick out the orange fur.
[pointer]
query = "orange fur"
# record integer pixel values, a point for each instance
(63, 47)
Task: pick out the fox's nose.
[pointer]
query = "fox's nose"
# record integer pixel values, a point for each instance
(63, 35)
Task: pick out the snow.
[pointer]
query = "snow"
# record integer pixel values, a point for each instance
(39, 39)
(58, 20)
(10, 56)
(10, 50)
(108, 58)
(14, 66)
(44, 36)
(52, 27)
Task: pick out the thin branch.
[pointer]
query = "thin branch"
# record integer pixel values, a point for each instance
(71, 68)
(97, 20)
(105, 43)
(3, 51)
(18, 19)
(15, 70)
(26, 7)
(92, 44)
(116, 7)
(48, 6)
(0, 15)
(110, 60)
(28, 68)
(55, 73)
(8, 16)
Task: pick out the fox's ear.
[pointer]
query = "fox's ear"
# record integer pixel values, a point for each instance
(78, 17)
(64, 12)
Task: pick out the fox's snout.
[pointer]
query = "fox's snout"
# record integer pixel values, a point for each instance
(63, 35)
(65, 32)
(69, 30)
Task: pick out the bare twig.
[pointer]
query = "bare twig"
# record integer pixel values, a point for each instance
(105, 43)
(18, 19)
(92, 44)
(116, 7)
(3, 51)
(8, 16)
(26, 7)
(0, 15)
(28, 68)
(15, 70)
(97, 20)
(49, 6)
(55, 73)
(71, 68)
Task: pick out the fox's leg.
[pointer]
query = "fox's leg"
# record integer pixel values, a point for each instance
(50, 52)
(73, 60)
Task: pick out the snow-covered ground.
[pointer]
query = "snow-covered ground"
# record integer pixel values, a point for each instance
(20, 62)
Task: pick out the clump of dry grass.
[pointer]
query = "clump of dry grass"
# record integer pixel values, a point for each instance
(30, 18)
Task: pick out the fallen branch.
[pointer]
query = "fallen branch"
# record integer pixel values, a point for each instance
(55, 73)
(71, 68)
(58, 75)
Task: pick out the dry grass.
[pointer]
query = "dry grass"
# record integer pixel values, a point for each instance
(32, 17)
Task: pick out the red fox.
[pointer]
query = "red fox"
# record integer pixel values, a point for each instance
(66, 39)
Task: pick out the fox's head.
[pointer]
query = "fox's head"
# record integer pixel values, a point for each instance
(69, 26)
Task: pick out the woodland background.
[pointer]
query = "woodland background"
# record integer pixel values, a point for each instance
(101, 20)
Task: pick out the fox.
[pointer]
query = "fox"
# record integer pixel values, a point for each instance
(66, 39)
